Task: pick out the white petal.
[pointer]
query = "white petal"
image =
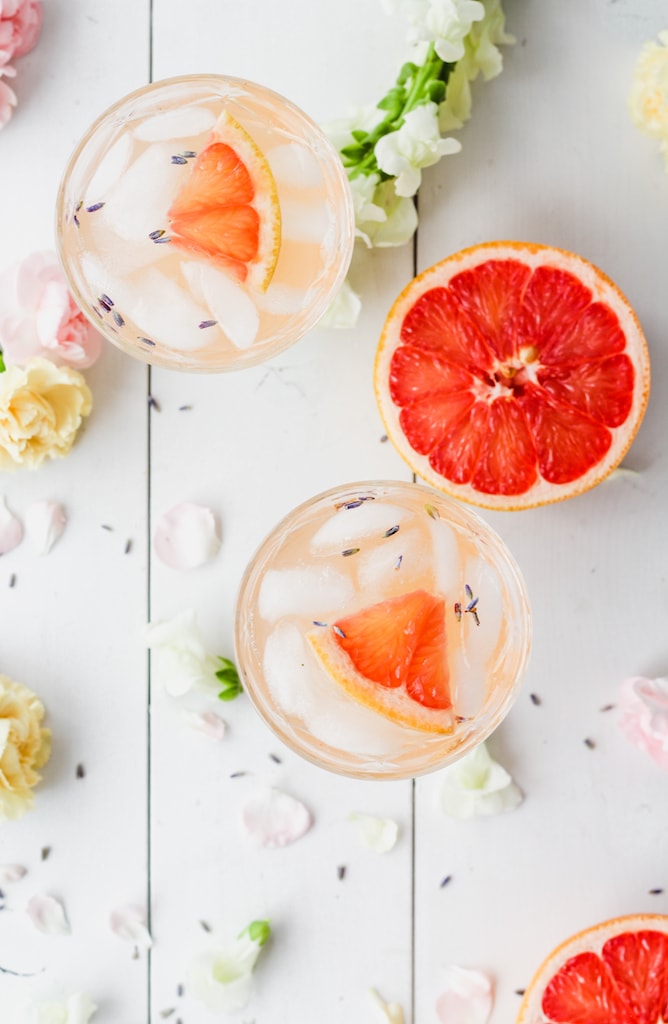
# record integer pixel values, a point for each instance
(186, 536)
(129, 923)
(207, 722)
(467, 997)
(48, 915)
(45, 522)
(273, 818)
(11, 531)
(80, 1008)
(378, 834)
(12, 873)
(344, 309)
(219, 996)
(385, 1013)
(478, 785)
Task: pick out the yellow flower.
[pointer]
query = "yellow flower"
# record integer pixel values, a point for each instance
(648, 99)
(24, 747)
(41, 408)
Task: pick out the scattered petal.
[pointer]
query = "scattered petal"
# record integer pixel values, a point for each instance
(48, 915)
(467, 997)
(385, 1013)
(221, 978)
(273, 818)
(10, 873)
(181, 661)
(129, 923)
(377, 834)
(477, 784)
(45, 522)
(11, 531)
(643, 715)
(186, 536)
(206, 722)
(78, 1009)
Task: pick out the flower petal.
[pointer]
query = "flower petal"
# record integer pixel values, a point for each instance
(12, 873)
(11, 531)
(477, 784)
(206, 722)
(273, 818)
(385, 1013)
(642, 715)
(129, 923)
(377, 834)
(45, 522)
(48, 915)
(186, 536)
(467, 997)
(181, 660)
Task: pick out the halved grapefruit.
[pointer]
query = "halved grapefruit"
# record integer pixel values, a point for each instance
(392, 657)
(613, 973)
(512, 375)
(227, 210)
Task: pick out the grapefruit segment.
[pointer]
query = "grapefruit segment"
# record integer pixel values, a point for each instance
(392, 658)
(512, 374)
(227, 210)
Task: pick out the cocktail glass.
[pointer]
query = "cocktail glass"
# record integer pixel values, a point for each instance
(147, 281)
(367, 546)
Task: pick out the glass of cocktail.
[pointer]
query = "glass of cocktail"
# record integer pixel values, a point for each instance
(204, 223)
(382, 630)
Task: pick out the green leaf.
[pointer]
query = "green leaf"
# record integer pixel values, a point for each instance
(393, 102)
(2, 364)
(230, 692)
(407, 71)
(258, 931)
(227, 675)
(359, 135)
(226, 663)
(353, 152)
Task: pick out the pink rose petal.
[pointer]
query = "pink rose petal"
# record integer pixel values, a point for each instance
(48, 915)
(206, 722)
(129, 924)
(466, 998)
(11, 531)
(45, 522)
(272, 818)
(186, 536)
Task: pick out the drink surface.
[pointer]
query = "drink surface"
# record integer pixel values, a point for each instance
(173, 304)
(344, 562)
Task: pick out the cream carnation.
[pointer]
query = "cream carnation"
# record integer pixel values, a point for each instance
(648, 99)
(24, 747)
(41, 409)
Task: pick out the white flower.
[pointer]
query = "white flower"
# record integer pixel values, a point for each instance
(340, 132)
(385, 1013)
(366, 210)
(477, 784)
(417, 144)
(466, 998)
(377, 834)
(400, 221)
(221, 978)
(344, 310)
(77, 1009)
(446, 23)
(181, 661)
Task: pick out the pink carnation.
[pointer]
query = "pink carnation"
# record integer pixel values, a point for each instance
(38, 317)
(7, 96)
(20, 24)
(643, 715)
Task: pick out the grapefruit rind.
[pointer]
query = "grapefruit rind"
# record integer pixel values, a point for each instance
(394, 704)
(533, 255)
(590, 939)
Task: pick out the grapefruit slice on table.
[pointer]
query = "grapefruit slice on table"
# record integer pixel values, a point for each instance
(227, 210)
(613, 973)
(391, 657)
(511, 375)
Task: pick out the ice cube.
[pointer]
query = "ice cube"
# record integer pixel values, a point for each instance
(304, 222)
(119, 256)
(349, 525)
(294, 165)
(313, 591)
(284, 666)
(109, 170)
(283, 298)
(138, 204)
(399, 563)
(447, 560)
(476, 659)
(101, 281)
(228, 302)
(164, 311)
(175, 124)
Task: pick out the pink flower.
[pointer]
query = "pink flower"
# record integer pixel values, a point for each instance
(643, 715)
(7, 96)
(38, 317)
(20, 24)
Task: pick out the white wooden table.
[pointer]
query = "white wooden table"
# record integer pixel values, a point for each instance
(550, 155)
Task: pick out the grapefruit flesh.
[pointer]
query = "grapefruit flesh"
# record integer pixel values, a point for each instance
(392, 657)
(614, 973)
(227, 211)
(511, 375)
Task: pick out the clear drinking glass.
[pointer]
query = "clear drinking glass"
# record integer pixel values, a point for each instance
(381, 546)
(149, 263)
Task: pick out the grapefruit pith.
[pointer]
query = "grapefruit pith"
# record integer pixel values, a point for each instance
(227, 211)
(392, 657)
(613, 973)
(512, 375)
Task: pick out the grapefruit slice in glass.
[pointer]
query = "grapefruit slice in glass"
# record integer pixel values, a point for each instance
(512, 375)
(227, 211)
(613, 973)
(392, 657)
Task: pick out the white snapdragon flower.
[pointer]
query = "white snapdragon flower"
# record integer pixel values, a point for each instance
(344, 310)
(181, 661)
(477, 784)
(221, 978)
(416, 144)
(446, 23)
(77, 1009)
(340, 131)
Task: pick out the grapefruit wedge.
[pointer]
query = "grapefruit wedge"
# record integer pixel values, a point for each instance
(613, 973)
(391, 657)
(511, 375)
(227, 211)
